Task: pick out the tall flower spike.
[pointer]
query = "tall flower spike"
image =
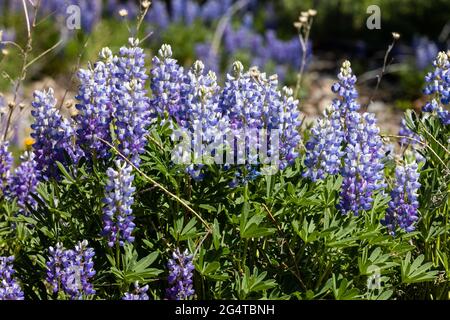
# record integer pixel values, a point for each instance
(9, 287)
(132, 105)
(55, 266)
(23, 183)
(180, 276)
(199, 114)
(139, 293)
(6, 162)
(324, 148)
(95, 107)
(117, 214)
(402, 210)
(53, 135)
(363, 168)
(167, 78)
(438, 87)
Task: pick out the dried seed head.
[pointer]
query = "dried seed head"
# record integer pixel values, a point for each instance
(145, 4)
(312, 12)
(123, 12)
(298, 25)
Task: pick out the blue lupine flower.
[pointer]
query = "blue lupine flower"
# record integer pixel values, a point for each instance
(71, 271)
(363, 170)
(324, 148)
(23, 182)
(167, 78)
(180, 276)
(96, 107)
(118, 216)
(424, 51)
(348, 143)
(438, 87)
(53, 135)
(9, 287)
(55, 267)
(158, 15)
(403, 207)
(139, 293)
(132, 115)
(6, 162)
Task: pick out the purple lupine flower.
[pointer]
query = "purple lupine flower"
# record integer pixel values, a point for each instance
(438, 87)
(199, 113)
(9, 287)
(258, 112)
(53, 135)
(132, 105)
(289, 124)
(402, 211)
(139, 293)
(345, 89)
(6, 162)
(118, 216)
(23, 182)
(158, 15)
(71, 271)
(167, 77)
(363, 169)
(425, 50)
(208, 56)
(180, 276)
(95, 105)
(55, 266)
(324, 148)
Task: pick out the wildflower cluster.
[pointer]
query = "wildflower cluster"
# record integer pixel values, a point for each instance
(9, 287)
(180, 276)
(248, 104)
(70, 271)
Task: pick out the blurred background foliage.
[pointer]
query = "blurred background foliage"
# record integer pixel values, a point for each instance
(263, 35)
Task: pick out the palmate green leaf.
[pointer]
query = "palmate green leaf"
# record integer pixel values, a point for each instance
(416, 272)
(343, 289)
(252, 228)
(252, 283)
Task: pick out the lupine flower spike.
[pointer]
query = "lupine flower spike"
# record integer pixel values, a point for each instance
(180, 276)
